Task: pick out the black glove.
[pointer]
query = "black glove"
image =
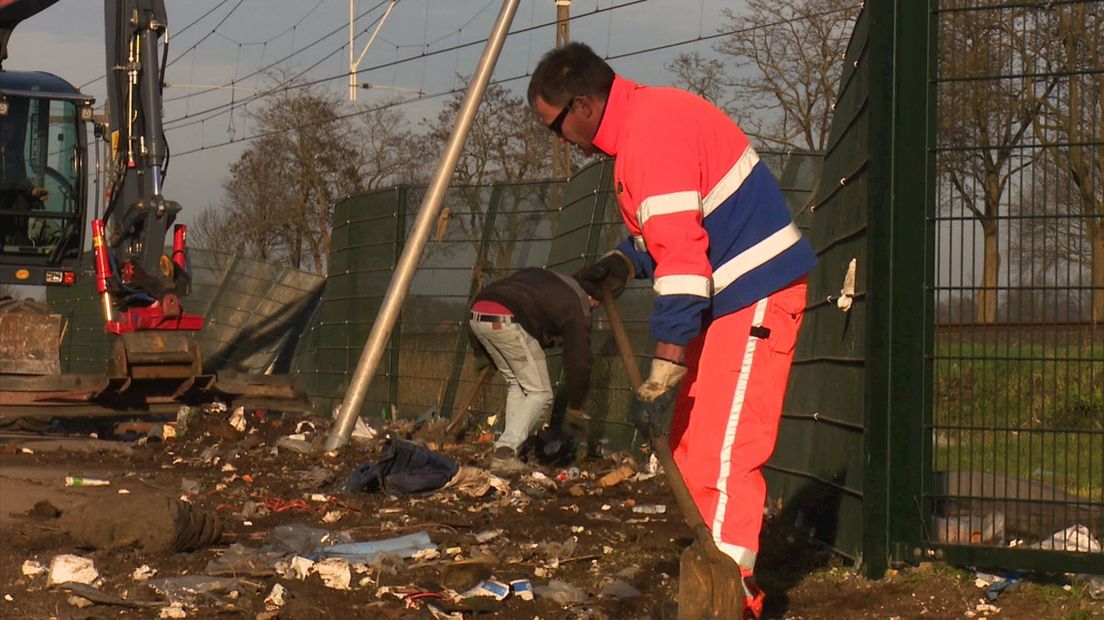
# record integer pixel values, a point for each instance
(614, 269)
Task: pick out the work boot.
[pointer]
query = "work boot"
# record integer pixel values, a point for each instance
(753, 599)
(504, 462)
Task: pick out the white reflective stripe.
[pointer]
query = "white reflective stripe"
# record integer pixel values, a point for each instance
(754, 256)
(731, 181)
(663, 204)
(638, 243)
(744, 557)
(733, 422)
(697, 286)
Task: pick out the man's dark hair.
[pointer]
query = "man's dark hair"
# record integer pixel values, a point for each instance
(569, 71)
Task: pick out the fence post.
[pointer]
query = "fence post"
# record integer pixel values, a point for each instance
(476, 281)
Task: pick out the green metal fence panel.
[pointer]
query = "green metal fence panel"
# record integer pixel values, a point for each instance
(253, 313)
(817, 473)
(1017, 356)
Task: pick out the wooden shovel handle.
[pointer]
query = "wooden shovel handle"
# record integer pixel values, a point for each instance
(658, 442)
(461, 413)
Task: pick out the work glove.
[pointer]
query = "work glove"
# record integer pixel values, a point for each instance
(576, 423)
(656, 394)
(614, 269)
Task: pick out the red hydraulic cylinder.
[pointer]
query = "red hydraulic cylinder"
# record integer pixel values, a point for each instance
(180, 247)
(103, 268)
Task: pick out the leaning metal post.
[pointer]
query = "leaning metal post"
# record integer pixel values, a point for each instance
(412, 252)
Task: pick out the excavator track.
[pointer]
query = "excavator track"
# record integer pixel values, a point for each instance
(150, 372)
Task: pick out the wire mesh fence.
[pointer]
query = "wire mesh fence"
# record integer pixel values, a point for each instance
(1017, 358)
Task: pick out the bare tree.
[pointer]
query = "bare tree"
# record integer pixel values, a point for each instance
(390, 153)
(986, 119)
(705, 77)
(311, 151)
(1071, 125)
(785, 66)
(506, 143)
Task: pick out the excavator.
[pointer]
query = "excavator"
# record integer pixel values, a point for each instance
(140, 278)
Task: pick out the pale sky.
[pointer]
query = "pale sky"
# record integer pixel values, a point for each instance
(310, 37)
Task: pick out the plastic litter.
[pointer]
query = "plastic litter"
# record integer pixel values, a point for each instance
(239, 560)
(969, 529)
(489, 588)
(185, 588)
(81, 481)
(276, 598)
(619, 589)
(362, 431)
(522, 589)
(650, 509)
(362, 552)
(296, 443)
(1073, 538)
(299, 539)
(334, 572)
(487, 535)
(562, 592)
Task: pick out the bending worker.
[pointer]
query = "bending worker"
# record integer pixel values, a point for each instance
(708, 224)
(512, 321)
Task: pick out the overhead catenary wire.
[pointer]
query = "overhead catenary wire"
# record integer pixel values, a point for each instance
(435, 95)
(287, 57)
(289, 86)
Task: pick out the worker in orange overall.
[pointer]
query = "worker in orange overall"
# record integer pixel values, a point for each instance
(709, 227)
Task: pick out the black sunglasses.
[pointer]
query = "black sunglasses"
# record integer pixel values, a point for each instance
(557, 123)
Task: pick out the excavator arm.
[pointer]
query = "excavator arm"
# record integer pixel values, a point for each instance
(156, 362)
(133, 268)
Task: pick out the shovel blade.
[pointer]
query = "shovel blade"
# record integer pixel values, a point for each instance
(709, 589)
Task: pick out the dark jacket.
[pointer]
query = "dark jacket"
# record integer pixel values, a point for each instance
(555, 311)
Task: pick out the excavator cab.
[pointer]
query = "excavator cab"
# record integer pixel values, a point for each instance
(43, 146)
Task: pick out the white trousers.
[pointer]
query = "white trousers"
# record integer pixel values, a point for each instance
(520, 359)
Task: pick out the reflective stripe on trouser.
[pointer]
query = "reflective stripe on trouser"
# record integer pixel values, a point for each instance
(520, 359)
(727, 413)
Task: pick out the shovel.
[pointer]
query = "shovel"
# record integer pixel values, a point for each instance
(460, 415)
(710, 583)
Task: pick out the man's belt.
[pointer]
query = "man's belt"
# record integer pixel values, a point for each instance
(491, 318)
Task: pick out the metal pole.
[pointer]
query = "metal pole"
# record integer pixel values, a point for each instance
(561, 151)
(352, 52)
(354, 64)
(427, 218)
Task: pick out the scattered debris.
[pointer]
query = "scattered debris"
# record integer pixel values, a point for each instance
(489, 588)
(31, 568)
(617, 476)
(143, 573)
(83, 481)
(276, 598)
(68, 568)
(334, 572)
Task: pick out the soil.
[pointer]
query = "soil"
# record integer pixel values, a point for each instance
(576, 532)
